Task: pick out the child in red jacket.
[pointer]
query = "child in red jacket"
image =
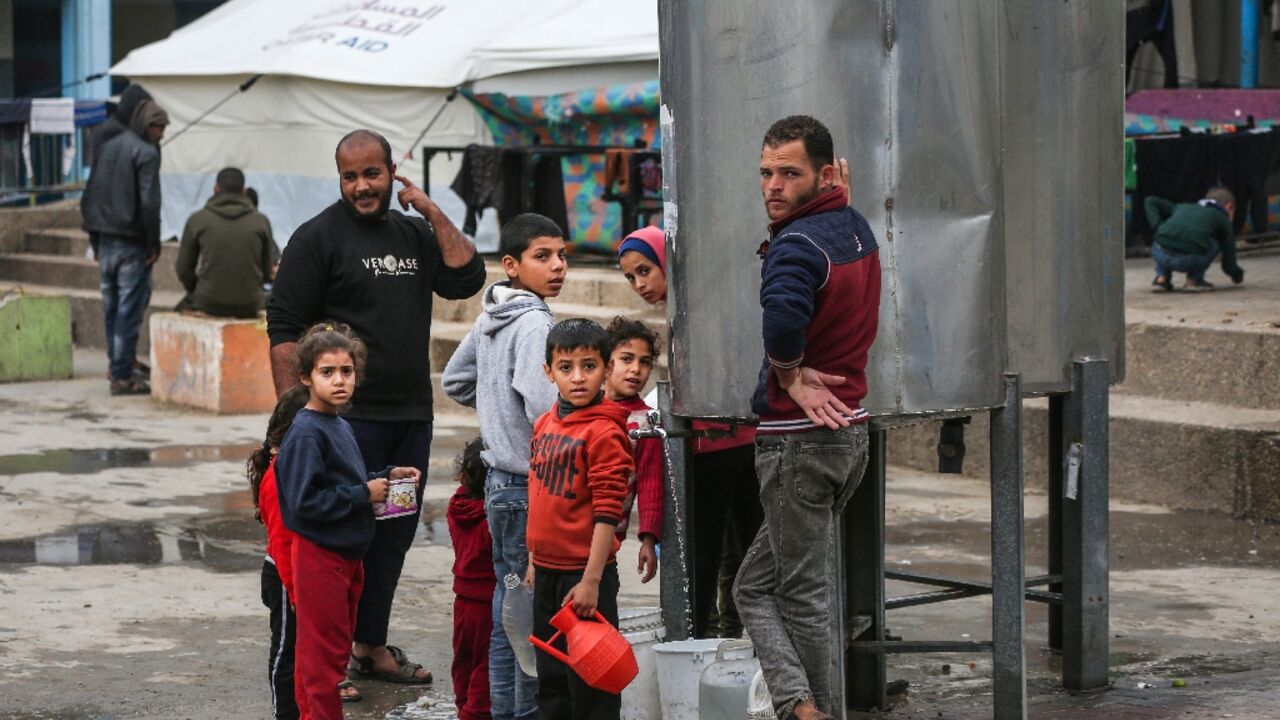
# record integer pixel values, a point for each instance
(633, 352)
(473, 582)
(579, 466)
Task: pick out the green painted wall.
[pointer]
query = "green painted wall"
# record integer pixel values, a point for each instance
(35, 338)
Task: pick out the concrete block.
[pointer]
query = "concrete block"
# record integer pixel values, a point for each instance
(215, 364)
(35, 338)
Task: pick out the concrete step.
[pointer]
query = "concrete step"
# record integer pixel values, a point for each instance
(1176, 453)
(78, 271)
(87, 328)
(1224, 364)
(56, 241)
(584, 286)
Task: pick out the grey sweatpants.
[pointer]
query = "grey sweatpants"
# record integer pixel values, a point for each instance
(782, 590)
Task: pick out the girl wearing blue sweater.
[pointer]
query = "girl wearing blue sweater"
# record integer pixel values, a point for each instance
(326, 498)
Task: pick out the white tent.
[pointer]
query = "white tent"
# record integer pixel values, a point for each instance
(332, 66)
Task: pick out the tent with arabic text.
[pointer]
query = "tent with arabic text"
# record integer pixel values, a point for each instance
(329, 66)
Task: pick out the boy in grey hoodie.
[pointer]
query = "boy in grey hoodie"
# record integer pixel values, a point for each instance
(498, 370)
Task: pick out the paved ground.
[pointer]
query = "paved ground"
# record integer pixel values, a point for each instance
(129, 571)
(1253, 305)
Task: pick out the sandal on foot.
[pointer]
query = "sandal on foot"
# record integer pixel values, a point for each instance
(407, 673)
(349, 697)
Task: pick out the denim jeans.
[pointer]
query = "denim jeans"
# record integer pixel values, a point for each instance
(783, 591)
(506, 503)
(1194, 266)
(125, 280)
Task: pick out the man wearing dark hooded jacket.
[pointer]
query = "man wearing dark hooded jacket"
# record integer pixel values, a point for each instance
(121, 209)
(130, 99)
(226, 252)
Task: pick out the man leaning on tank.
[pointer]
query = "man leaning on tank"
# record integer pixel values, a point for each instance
(820, 299)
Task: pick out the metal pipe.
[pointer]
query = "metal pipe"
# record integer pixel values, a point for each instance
(1008, 560)
(1250, 10)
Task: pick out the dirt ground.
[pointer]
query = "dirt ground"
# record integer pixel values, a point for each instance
(129, 580)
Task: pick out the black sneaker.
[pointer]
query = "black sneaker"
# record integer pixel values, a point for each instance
(1193, 286)
(133, 386)
(1160, 286)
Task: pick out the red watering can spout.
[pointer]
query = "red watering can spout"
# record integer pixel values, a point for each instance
(597, 651)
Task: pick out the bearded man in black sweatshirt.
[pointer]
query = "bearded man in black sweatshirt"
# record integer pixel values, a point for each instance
(362, 263)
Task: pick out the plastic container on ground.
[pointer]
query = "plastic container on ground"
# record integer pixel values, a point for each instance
(725, 685)
(680, 666)
(642, 627)
(759, 701)
(517, 622)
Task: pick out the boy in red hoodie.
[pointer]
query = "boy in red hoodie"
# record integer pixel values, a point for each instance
(633, 350)
(579, 466)
(473, 582)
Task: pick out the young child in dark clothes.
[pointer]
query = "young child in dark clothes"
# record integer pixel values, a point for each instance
(325, 499)
(277, 574)
(633, 352)
(580, 464)
(473, 582)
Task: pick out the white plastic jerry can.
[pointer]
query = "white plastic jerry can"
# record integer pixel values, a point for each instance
(725, 684)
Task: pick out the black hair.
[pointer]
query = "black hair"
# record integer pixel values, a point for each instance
(357, 137)
(287, 407)
(521, 230)
(230, 180)
(252, 195)
(624, 329)
(471, 469)
(577, 333)
(817, 139)
(330, 336)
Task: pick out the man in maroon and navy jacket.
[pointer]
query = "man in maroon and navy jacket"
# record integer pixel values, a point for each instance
(820, 293)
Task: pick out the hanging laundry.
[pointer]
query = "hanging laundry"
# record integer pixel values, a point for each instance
(53, 116)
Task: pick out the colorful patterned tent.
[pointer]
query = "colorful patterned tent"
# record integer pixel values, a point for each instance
(618, 115)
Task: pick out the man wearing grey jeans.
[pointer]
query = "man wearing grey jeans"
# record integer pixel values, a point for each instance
(820, 296)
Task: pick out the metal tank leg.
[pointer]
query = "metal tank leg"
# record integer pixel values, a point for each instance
(675, 590)
(863, 537)
(1008, 567)
(1085, 543)
(1057, 465)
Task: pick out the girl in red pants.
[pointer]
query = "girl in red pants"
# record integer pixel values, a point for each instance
(325, 499)
(472, 585)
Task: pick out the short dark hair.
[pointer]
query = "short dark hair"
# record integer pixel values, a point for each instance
(330, 336)
(817, 139)
(252, 195)
(521, 230)
(1221, 195)
(471, 469)
(358, 137)
(574, 333)
(230, 180)
(624, 329)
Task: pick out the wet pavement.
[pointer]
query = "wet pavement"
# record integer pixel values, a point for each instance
(129, 580)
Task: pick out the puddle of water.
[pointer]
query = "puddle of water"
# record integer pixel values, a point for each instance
(434, 528)
(94, 460)
(133, 544)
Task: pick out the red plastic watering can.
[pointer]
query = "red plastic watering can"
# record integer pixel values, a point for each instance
(597, 651)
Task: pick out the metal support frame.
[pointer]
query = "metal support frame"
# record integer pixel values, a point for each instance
(862, 545)
(863, 558)
(1080, 457)
(1008, 566)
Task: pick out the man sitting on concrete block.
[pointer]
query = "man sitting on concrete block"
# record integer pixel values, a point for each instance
(227, 253)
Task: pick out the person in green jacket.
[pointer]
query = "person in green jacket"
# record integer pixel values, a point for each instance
(1189, 236)
(227, 253)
